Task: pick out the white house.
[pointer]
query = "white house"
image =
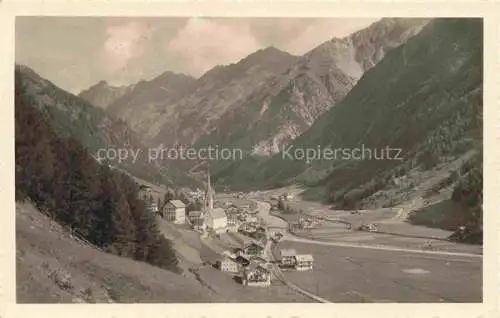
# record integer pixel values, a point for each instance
(288, 257)
(175, 211)
(229, 264)
(304, 262)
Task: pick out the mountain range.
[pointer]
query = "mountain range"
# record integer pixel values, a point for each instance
(94, 128)
(398, 83)
(424, 100)
(261, 102)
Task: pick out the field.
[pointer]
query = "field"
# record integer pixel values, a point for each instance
(391, 230)
(360, 275)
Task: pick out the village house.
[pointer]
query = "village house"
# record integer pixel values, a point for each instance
(253, 205)
(248, 227)
(304, 262)
(197, 220)
(254, 249)
(199, 225)
(194, 215)
(241, 205)
(258, 259)
(229, 264)
(242, 217)
(232, 261)
(175, 211)
(238, 251)
(253, 211)
(288, 257)
(232, 222)
(274, 204)
(242, 261)
(152, 208)
(252, 219)
(256, 274)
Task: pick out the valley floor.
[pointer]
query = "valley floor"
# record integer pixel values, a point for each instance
(393, 266)
(345, 274)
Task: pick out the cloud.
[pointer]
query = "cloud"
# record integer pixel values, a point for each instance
(205, 43)
(124, 43)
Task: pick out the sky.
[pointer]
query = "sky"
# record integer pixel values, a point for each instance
(78, 52)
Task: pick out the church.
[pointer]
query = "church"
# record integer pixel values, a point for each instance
(209, 218)
(215, 218)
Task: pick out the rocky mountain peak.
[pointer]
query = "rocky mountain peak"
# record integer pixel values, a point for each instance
(103, 94)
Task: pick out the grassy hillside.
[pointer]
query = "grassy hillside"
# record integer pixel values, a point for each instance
(92, 201)
(54, 267)
(463, 209)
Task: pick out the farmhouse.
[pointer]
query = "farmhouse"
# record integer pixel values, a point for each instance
(242, 261)
(252, 219)
(152, 208)
(232, 222)
(304, 262)
(288, 257)
(194, 216)
(258, 259)
(254, 249)
(175, 211)
(248, 227)
(199, 225)
(241, 205)
(256, 275)
(197, 220)
(229, 264)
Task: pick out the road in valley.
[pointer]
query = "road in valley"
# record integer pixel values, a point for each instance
(274, 222)
(355, 272)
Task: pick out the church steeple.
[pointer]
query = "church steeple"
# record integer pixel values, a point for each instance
(209, 196)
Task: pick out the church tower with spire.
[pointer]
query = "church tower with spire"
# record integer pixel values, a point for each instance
(215, 218)
(209, 196)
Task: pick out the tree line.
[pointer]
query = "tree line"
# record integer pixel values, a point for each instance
(66, 183)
